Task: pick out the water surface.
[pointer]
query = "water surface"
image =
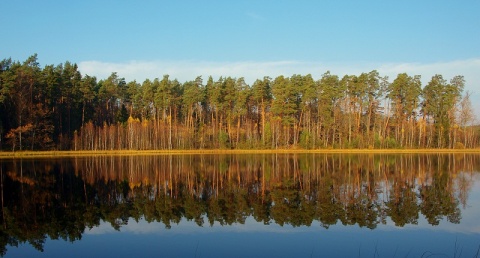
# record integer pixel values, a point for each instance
(274, 205)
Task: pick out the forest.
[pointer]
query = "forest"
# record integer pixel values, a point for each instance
(58, 108)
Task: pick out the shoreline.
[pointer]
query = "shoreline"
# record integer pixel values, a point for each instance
(51, 154)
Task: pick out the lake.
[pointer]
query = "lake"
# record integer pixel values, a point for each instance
(242, 205)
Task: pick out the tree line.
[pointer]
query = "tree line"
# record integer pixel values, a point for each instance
(56, 107)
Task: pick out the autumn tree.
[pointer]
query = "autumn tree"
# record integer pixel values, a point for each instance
(404, 93)
(329, 110)
(262, 96)
(439, 103)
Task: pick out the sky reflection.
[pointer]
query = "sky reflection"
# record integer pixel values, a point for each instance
(254, 239)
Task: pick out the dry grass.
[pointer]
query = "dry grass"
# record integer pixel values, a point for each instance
(50, 154)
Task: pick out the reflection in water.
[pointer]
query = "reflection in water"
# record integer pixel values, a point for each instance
(60, 198)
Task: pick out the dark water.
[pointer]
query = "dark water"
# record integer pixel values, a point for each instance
(298, 205)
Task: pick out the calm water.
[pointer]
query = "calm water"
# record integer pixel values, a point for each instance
(298, 205)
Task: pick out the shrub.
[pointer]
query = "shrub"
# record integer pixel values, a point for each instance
(459, 145)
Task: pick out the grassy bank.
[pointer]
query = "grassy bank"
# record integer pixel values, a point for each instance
(50, 154)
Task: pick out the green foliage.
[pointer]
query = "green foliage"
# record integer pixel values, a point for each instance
(378, 141)
(405, 95)
(357, 111)
(306, 140)
(391, 143)
(286, 102)
(223, 140)
(440, 99)
(122, 115)
(268, 138)
(355, 143)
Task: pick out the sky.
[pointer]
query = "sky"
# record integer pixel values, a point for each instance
(249, 38)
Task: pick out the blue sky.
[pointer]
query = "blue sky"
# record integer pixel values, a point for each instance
(251, 39)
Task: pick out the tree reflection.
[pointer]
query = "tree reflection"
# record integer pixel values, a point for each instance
(438, 198)
(62, 198)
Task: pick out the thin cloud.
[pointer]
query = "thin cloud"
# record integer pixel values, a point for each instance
(468, 68)
(188, 70)
(255, 16)
(251, 70)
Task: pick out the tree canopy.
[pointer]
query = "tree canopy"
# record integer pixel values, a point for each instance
(58, 108)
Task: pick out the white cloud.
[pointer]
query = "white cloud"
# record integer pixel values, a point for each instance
(468, 68)
(252, 70)
(188, 70)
